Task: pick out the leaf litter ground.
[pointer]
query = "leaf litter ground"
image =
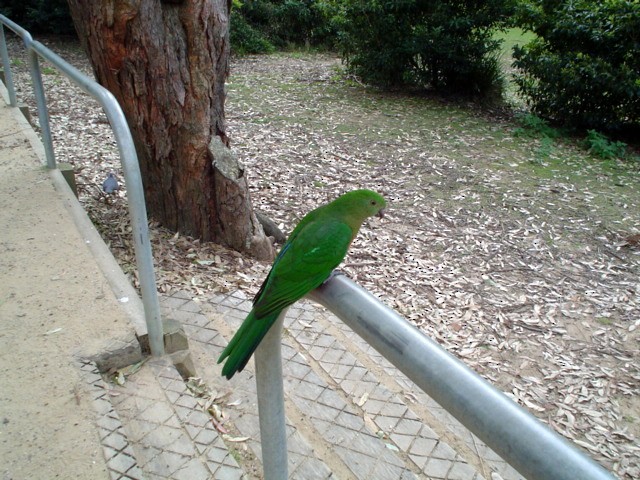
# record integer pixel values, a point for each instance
(508, 252)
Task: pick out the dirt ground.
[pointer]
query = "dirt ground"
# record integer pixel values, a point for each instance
(508, 250)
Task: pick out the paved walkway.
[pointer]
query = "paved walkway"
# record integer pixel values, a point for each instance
(350, 414)
(55, 306)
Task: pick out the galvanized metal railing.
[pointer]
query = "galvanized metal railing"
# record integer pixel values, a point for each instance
(128, 157)
(518, 437)
(270, 393)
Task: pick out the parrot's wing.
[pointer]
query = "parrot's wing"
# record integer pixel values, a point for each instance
(308, 218)
(303, 264)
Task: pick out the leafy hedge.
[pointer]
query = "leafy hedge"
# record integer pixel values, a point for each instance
(583, 69)
(245, 38)
(259, 26)
(40, 16)
(447, 45)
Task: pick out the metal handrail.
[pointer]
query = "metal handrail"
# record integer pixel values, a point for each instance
(528, 445)
(36, 80)
(8, 78)
(128, 157)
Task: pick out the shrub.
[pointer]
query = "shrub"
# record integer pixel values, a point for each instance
(282, 23)
(446, 45)
(583, 69)
(600, 146)
(295, 21)
(40, 16)
(246, 39)
(534, 126)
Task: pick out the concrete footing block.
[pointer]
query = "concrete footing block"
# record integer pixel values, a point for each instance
(176, 346)
(69, 175)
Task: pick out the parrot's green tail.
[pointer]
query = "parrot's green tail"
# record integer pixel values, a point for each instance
(244, 343)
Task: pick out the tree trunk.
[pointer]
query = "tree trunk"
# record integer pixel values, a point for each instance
(166, 62)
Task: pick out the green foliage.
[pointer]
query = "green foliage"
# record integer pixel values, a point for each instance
(447, 45)
(534, 126)
(295, 21)
(246, 39)
(281, 24)
(600, 146)
(596, 143)
(545, 149)
(40, 16)
(583, 67)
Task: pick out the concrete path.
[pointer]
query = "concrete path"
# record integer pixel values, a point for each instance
(55, 306)
(67, 313)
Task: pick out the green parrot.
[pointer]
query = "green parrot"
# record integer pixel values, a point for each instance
(315, 247)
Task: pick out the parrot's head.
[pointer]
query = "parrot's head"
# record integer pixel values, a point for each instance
(364, 203)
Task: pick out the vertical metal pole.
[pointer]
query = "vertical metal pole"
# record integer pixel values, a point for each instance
(41, 101)
(8, 78)
(273, 435)
(139, 226)
(144, 256)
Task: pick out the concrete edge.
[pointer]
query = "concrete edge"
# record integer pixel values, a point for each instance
(126, 295)
(118, 281)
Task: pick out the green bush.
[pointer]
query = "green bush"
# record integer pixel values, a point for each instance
(281, 23)
(534, 126)
(600, 146)
(246, 39)
(447, 45)
(40, 16)
(583, 69)
(295, 21)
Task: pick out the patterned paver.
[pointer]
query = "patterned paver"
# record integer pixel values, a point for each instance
(173, 437)
(118, 452)
(350, 414)
(381, 412)
(153, 427)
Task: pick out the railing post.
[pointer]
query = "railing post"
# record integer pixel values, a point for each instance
(8, 77)
(41, 101)
(273, 434)
(138, 214)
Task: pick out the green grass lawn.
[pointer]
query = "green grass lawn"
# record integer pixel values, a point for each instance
(513, 37)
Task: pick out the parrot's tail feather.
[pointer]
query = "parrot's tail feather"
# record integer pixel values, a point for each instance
(244, 343)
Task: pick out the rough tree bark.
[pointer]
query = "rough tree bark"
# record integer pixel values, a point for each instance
(166, 62)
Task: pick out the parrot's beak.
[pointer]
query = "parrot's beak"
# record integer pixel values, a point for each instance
(380, 213)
